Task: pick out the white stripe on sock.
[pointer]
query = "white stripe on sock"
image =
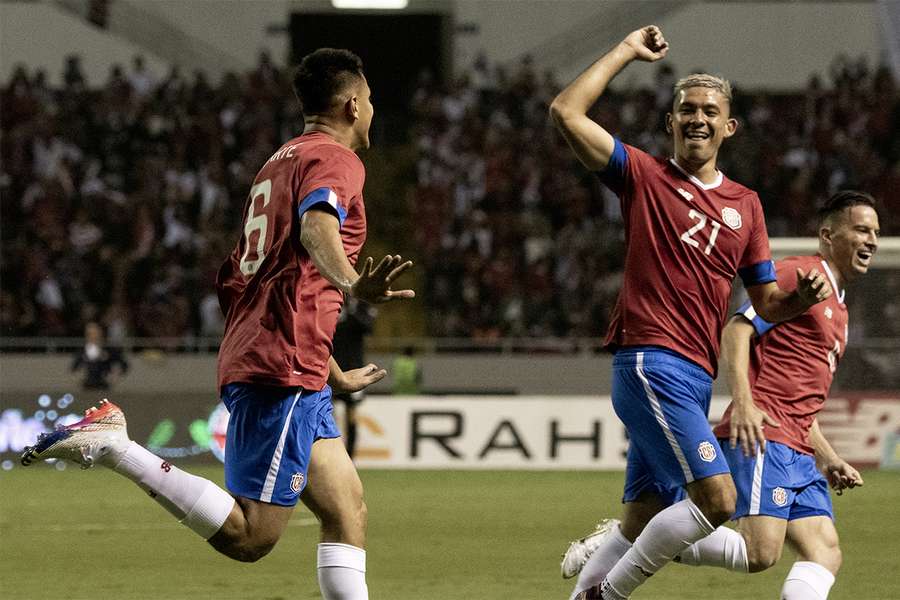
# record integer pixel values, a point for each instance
(661, 419)
(756, 490)
(269, 485)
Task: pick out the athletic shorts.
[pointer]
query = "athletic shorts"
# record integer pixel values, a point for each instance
(663, 400)
(780, 482)
(271, 431)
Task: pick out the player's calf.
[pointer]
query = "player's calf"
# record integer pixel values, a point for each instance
(251, 530)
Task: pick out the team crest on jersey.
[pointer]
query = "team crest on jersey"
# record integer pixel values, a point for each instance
(731, 217)
(779, 496)
(686, 194)
(828, 312)
(296, 482)
(707, 451)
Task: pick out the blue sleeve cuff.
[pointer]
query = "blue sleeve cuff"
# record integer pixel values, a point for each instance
(761, 272)
(614, 173)
(323, 196)
(759, 324)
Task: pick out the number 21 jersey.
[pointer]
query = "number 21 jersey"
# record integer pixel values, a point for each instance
(685, 243)
(280, 313)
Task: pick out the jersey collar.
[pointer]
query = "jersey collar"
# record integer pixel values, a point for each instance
(703, 186)
(834, 285)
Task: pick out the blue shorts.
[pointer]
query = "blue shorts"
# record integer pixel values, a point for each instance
(663, 400)
(271, 431)
(781, 483)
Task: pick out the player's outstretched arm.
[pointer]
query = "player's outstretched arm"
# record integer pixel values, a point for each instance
(320, 235)
(592, 144)
(354, 380)
(775, 305)
(838, 471)
(746, 425)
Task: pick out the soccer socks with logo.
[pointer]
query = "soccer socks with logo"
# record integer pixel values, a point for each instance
(724, 548)
(665, 536)
(342, 572)
(198, 503)
(602, 560)
(807, 581)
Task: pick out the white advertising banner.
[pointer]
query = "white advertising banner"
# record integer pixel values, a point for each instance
(563, 432)
(491, 432)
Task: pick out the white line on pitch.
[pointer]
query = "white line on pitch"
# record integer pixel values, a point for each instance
(301, 522)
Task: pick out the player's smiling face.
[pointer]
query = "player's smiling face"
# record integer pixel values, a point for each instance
(852, 240)
(699, 122)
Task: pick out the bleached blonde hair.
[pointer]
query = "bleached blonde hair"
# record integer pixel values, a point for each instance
(720, 84)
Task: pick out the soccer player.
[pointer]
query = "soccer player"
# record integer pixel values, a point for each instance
(281, 290)
(689, 232)
(779, 377)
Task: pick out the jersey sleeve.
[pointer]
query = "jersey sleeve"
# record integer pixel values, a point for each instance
(625, 166)
(756, 265)
(783, 272)
(333, 182)
(760, 325)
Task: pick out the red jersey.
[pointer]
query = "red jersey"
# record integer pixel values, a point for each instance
(280, 313)
(792, 363)
(685, 242)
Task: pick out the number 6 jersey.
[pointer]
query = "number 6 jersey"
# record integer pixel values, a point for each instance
(685, 243)
(280, 313)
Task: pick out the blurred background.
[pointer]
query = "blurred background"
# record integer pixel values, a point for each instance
(131, 132)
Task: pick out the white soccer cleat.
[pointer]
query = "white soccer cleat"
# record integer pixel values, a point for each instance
(101, 431)
(580, 551)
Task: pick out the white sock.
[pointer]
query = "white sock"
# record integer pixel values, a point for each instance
(342, 572)
(601, 561)
(198, 503)
(665, 536)
(723, 548)
(807, 581)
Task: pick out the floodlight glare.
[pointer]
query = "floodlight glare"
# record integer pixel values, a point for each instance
(370, 4)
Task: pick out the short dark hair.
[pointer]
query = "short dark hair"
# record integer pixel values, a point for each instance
(839, 201)
(322, 75)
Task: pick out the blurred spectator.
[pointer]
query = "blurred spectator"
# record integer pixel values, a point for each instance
(98, 360)
(406, 374)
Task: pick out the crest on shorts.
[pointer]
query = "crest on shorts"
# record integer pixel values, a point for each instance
(707, 451)
(779, 496)
(731, 217)
(296, 482)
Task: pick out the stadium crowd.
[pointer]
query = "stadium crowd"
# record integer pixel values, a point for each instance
(120, 203)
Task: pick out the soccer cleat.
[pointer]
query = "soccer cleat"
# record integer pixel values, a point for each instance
(101, 431)
(580, 551)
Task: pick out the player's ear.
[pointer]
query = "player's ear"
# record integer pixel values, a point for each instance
(668, 122)
(731, 126)
(351, 108)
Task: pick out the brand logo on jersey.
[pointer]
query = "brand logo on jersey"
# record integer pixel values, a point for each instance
(828, 312)
(707, 451)
(779, 496)
(296, 482)
(686, 194)
(731, 217)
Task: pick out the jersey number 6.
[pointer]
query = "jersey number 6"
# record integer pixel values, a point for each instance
(256, 223)
(688, 236)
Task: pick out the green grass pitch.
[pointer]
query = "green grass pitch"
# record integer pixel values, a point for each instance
(432, 535)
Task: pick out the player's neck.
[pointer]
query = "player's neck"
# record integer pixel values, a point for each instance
(341, 136)
(706, 172)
